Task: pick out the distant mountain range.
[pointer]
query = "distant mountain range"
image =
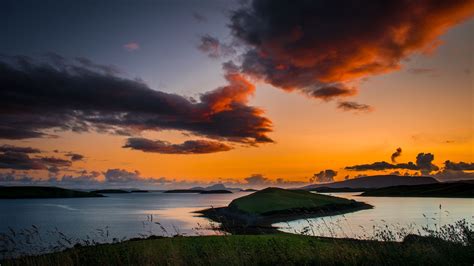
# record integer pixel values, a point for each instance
(215, 187)
(376, 181)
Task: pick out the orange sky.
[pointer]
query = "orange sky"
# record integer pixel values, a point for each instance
(426, 106)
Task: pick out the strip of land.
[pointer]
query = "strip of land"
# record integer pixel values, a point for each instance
(34, 192)
(441, 190)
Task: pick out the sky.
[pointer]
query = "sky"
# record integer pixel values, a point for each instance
(179, 93)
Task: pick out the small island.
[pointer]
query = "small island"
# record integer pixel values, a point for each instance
(438, 190)
(218, 191)
(248, 190)
(139, 191)
(256, 212)
(36, 192)
(111, 191)
(195, 191)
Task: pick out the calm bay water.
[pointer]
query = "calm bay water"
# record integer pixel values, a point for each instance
(128, 215)
(391, 213)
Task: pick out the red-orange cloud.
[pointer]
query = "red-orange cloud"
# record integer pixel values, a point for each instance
(310, 45)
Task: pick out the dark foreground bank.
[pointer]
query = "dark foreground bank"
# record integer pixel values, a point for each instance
(279, 249)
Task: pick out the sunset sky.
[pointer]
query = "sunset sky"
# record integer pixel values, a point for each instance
(264, 89)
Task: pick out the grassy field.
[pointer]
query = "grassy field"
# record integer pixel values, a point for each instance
(29, 192)
(276, 199)
(449, 190)
(280, 249)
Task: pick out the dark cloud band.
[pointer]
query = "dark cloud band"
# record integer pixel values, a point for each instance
(39, 96)
(187, 147)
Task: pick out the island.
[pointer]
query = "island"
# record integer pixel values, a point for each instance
(248, 190)
(37, 192)
(439, 190)
(376, 181)
(111, 191)
(336, 190)
(139, 191)
(255, 213)
(218, 191)
(195, 191)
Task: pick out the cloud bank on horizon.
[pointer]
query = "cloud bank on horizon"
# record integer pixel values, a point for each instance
(26, 159)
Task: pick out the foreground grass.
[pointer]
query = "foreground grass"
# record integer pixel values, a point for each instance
(278, 249)
(277, 199)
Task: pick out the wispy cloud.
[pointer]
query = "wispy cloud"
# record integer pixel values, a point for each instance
(131, 46)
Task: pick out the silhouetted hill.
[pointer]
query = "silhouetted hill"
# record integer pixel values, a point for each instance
(32, 192)
(114, 191)
(184, 191)
(442, 190)
(377, 181)
(218, 186)
(218, 191)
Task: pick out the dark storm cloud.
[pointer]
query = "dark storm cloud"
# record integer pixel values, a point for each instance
(199, 17)
(18, 158)
(53, 161)
(458, 166)
(309, 45)
(80, 97)
(380, 166)
(423, 164)
(187, 147)
(259, 180)
(20, 161)
(330, 92)
(353, 106)
(11, 148)
(75, 156)
(19, 133)
(214, 48)
(88, 179)
(121, 176)
(396, 154)
(324, 176)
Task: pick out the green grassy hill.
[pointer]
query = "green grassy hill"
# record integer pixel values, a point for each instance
(448, 190)
(281, 249)
(255, 213)
(31, 192)
(277, 199)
